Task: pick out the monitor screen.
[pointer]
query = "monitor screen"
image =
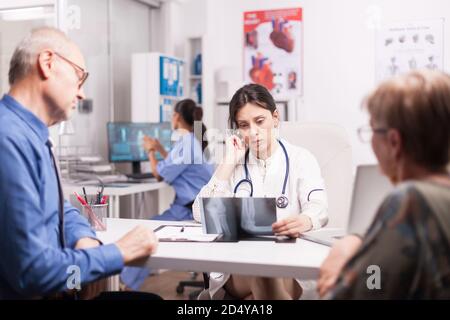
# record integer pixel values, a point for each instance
(125, 139)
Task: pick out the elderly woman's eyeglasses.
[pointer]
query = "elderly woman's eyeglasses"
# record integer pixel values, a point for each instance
(365, 133)
(82, 74)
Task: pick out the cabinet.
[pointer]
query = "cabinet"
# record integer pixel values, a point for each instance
(194, 66)
(157, 84)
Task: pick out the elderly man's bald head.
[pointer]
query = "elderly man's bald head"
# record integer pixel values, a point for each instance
(24, 57)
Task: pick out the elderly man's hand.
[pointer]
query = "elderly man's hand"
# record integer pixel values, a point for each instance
(340, 254)
(139, 243)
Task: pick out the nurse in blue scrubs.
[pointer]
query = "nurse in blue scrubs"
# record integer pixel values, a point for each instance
(184, 167)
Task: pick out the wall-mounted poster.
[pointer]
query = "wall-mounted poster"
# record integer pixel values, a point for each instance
(405, 46)
(273, 51)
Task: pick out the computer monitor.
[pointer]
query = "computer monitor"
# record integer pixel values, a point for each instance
(125, 141)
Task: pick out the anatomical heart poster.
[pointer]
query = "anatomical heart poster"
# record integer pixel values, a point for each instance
(273, 51)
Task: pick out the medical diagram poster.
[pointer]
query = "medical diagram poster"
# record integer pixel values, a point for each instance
(273, 51)
(405, 46)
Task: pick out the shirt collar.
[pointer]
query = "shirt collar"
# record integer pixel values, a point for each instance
(27, 116)
(267, 162)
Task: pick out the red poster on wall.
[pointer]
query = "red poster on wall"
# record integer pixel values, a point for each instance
(273, 51)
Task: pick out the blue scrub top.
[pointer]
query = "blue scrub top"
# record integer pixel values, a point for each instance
(187, 171)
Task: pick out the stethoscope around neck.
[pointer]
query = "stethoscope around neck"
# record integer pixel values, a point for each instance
(282, 201)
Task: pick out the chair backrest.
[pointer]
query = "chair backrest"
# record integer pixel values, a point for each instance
(330, 145)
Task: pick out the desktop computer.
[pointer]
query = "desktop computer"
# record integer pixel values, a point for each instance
(125, 143)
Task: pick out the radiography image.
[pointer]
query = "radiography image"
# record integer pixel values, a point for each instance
(257, 215)
(220, 217)
(239, 218)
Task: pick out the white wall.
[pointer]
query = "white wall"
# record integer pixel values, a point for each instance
(11, 32)
(130, 33)
(92, 40)
(338, 51)
(110, 31)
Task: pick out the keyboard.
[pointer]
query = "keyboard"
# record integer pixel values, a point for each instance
(138, 176)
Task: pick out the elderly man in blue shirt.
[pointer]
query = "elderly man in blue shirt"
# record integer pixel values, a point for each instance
(41, 236)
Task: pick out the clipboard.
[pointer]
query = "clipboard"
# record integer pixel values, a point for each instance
(180, 233)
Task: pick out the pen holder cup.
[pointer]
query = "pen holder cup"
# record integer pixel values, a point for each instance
(96, 215)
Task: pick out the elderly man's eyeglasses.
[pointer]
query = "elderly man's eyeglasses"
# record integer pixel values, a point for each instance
(365, 133)
(82, 74)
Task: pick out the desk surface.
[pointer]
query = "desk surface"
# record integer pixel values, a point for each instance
(122, 188)
(260, 258)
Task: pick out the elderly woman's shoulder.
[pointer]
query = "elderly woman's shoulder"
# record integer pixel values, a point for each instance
(414, 187)
(416, 195)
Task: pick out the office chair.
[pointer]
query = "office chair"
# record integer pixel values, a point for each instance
(330, 144)
(204, 284)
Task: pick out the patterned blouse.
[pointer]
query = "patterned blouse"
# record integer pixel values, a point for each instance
(406, 251)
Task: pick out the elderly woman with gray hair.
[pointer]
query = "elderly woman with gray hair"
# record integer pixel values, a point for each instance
(406, 251)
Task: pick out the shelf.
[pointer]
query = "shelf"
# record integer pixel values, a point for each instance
(171, 97)
(195, 77)
(223, 101)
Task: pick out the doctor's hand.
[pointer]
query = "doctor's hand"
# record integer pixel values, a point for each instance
(234, 150)
(234, 153)
(136, 244)
(292, 226)
(339, 255)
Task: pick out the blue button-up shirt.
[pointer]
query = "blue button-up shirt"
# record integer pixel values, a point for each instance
(187, 171)
(32, 261)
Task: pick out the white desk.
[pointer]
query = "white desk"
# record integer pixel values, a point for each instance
(115, 192)
(259, 258)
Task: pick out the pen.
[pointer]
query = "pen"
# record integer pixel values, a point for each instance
(100, 194)
(80, 199)
(104, 200)
(85, 196)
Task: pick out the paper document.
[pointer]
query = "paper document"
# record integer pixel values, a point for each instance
(183, 233)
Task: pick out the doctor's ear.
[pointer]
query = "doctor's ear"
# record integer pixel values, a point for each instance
(276, 118)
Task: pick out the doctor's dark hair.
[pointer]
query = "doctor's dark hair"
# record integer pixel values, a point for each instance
(250, 93)
(190, 112)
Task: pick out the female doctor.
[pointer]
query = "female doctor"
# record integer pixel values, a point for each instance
(262, 165)
(184, 167)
